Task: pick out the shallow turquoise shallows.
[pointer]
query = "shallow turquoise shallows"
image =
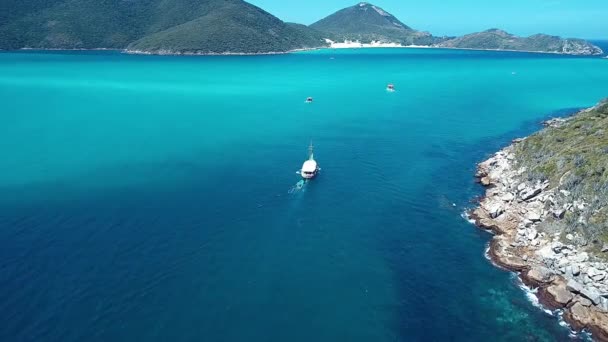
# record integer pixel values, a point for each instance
(149, 198)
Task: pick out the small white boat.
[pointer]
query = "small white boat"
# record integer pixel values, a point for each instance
(309, 99)
(390, 87)
(310, 168)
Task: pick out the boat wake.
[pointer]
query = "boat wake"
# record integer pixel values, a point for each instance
(298, 187)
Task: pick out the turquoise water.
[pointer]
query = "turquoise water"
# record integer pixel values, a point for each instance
(147, 198)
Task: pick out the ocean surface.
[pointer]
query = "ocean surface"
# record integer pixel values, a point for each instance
(148, 198)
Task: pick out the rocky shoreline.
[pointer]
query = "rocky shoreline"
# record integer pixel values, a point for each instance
(163, 52)
(515, 210)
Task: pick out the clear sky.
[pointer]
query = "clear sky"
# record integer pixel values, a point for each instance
(568, 18)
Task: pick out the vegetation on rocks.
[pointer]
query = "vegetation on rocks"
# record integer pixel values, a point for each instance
(546, 203)
(573, 156)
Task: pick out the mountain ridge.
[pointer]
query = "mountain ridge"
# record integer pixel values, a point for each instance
(367, 23)
(230, 27)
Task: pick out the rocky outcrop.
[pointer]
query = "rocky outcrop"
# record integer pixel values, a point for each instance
(516, 209)
(496, 39)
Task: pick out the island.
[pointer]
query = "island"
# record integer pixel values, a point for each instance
(547, 204)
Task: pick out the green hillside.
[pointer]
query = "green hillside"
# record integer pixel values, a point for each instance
(573, 157)
(179, 25)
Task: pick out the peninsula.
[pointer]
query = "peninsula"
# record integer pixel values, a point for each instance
(547, 203)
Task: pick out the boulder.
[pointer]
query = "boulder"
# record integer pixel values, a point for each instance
(581, 257)
(557, 247)
(529, 193)
(533, 216)
(540, 274)
(603, 306)
(574, 286)
(584, 301)
(563, 262)
(576, 270)
(592, 294)
(532, 234)
(592, 272)
(559, 213)
(560, 294)
(494, 209)
(579, 313)
(508, 197)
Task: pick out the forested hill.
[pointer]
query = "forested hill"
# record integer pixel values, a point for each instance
(181, 26)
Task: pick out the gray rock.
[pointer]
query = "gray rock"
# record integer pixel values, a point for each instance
(495, 209)
(581, 257)
(592, 272)
(592, 294)
(529, 193)
(599, 277)
(574, 286)
(532, 234)
(521, 187)
(559, 213)
(605, 248)
(569, 237)
(576, 270)
(557, 247)
(560, 294)
(563, 262)
(584, 301)
(508, 197)
(603, 306)
(533, 216)
(540, 274)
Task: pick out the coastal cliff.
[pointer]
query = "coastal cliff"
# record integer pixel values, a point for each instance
(547, 204)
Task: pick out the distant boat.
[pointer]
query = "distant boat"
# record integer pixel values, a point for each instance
(390, 87)
(310, 168)
(309, 99)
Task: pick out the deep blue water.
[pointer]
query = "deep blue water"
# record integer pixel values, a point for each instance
(147, 198)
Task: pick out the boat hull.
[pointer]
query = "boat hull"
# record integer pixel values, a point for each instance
(309, 175)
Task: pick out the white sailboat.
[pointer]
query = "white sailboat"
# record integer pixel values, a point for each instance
(310, 168)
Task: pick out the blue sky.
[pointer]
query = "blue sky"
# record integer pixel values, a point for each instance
(569, 18)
